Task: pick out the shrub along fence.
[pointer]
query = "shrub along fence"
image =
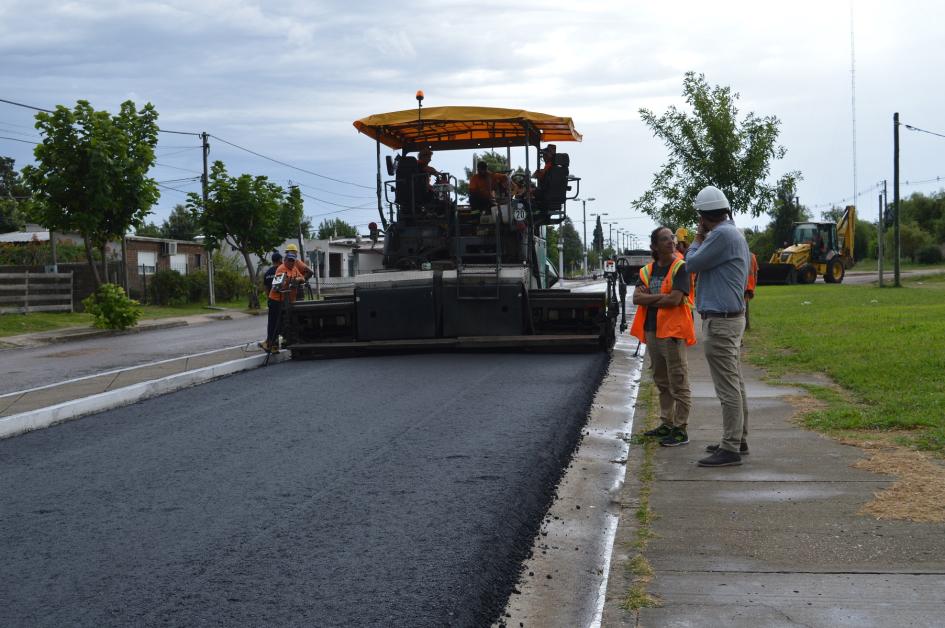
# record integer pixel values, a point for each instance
(22, 293)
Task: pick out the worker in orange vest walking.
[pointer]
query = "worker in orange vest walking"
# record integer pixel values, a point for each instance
(663, 321)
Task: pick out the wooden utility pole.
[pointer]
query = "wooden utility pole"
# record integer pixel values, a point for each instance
(879, 241)
(896, 199)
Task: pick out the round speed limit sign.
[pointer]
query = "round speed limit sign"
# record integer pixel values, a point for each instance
(519, 214)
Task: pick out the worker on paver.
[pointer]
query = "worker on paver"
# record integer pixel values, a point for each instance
(663, 321)
(719, 253)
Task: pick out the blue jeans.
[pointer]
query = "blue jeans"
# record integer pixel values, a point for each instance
(272, 331)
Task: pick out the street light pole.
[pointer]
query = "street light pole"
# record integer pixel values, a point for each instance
(584, 225)
(560, 255)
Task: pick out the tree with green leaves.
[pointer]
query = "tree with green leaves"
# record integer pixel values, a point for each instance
(307, 227)
(710, 146)
(181, 224)
(598, 236)
(15, 197)
(149, 230)
(572, 244)
(496, 163)
(335, 228)
(784, 212)
(91, 173)
(249, 213)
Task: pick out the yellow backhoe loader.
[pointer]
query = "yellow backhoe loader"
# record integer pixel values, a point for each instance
(819, 248)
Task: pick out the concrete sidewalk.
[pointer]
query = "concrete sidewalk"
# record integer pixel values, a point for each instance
(777, 541)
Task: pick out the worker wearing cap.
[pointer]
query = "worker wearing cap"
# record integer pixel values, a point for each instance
(423, 159)
(290, 274)
(548, 156)
(719, 254)
(272, 305)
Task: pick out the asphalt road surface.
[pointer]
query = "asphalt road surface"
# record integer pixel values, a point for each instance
(389, 491)
(28, 368)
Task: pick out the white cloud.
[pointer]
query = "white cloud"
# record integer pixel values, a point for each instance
(287, 78)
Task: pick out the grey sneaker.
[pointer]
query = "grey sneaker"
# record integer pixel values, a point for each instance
(721, 458)
(676, 438)
(742, 449)
(660, 432)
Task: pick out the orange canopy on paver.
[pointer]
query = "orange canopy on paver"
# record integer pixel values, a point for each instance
(466, 127)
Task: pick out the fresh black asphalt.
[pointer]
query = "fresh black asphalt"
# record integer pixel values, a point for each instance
(389, 491)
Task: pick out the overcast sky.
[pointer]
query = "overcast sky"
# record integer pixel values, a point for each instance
(287, 79)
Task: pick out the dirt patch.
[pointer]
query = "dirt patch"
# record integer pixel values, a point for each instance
(918, 493)
(804, 404)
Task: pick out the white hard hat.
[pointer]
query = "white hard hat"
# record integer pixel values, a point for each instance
(710, 199)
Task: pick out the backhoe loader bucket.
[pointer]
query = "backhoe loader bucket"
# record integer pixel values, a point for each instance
(776, 274)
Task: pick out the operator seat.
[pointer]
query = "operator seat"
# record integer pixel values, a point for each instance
(553, 189)
(410, 190)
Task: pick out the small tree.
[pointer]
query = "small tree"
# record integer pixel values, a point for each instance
(335, 228)
(785, 211)
(15, 197)
(496, 163)
(149, 230)
(182, 224)
(91, 172)
(598, 236)
(572, 244)
(710, 146)
(250, 213)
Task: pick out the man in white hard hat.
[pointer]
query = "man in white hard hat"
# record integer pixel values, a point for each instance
(719, 254)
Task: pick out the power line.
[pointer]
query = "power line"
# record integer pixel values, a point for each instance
(836, 203)
(14, 139)
(179, 180)
(917, 129)
(312, 187)
(178, 152)
(287, 165)
(320, 200)
(176, 168)
(172, 188)
(34, 108)
(19, 104)
(14, 132)
(939, 178)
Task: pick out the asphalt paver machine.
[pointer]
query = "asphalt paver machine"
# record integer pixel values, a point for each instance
(455, 278)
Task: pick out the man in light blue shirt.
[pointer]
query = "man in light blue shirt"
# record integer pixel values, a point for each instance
(719, 256)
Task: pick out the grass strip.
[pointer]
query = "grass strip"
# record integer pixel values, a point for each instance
(638, 567)
(34, 322)
(884, 348)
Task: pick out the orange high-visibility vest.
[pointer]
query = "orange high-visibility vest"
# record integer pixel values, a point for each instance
(671, 322)
(752, 274)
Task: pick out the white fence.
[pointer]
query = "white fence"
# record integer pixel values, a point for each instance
(22, 293)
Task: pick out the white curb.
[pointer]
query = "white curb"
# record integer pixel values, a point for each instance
(44, 417)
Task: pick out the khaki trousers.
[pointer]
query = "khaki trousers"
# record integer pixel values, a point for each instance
(671, 376)
(721, 341)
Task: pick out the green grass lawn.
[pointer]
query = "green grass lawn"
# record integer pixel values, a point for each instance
(15, 324)
(884, 347)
